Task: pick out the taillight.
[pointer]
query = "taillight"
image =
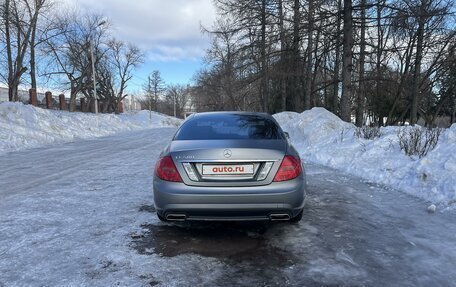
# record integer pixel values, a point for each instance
(290, 168)
(166, 170)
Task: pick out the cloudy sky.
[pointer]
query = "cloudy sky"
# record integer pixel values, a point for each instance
(168, 31)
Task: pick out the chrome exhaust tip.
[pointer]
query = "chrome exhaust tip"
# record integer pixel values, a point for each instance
(176, 217)
(279, 217)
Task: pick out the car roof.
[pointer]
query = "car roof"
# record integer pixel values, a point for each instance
(203, 114)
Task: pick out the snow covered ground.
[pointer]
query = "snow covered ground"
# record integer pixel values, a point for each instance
(321, 137)
(25, 126)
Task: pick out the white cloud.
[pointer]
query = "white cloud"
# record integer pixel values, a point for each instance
(168, 30)
(168, 53)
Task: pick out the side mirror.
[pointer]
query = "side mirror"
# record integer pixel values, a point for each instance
(287, 135)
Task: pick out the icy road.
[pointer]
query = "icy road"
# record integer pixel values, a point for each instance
(81, 214)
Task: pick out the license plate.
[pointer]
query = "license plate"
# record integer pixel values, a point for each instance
(228, 169)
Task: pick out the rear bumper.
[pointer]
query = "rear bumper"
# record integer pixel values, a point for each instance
(229, 203)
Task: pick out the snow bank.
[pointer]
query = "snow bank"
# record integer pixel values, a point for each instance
(321, 137)
(25, 126)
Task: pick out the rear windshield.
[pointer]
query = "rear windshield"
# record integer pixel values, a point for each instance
(228, 126)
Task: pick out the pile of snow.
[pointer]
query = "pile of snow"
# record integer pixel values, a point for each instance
(321, 137)
(284, 117)
(25, 126)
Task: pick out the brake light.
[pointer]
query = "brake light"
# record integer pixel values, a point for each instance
(166, 170)
(290, 168)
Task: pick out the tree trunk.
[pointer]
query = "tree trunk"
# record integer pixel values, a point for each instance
(362, 55)
(417, 72)
(284, 61)
(72, 106)
(23, 31)
(8, 49)
(308, 93)
(317, 67)
(335, 95)
(296, 58)
(345, 108)
(379, 51)
(264, 80)
(33, 24)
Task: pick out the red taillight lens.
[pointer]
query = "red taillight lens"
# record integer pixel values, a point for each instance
(289, 168)
(166, 170)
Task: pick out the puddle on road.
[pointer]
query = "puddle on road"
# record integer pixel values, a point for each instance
(246, 248)
(229, 242)
(226, 241)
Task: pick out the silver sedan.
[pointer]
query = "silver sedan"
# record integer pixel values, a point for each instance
(229, 166)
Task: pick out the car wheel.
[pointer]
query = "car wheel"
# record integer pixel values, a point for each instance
(161, 217)
(298, 217)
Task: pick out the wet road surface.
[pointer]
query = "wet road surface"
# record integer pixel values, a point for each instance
(352, 234)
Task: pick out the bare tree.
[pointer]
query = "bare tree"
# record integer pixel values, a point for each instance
(312, 46)
(427, 15)
(153, 88)
(20, 18)
(345, 107)
(176, 99)
(37, 35)
(223, 55)
(296, 58)
(335, 96)
(70, 51)
(284, 55)
(116, 71)
(362, 59)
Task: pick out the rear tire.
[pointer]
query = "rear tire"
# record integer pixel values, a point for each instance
(161, 217)
(297, 218)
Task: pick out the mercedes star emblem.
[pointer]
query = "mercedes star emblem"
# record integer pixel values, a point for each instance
(227, 153)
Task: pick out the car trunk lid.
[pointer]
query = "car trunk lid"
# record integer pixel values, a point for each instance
(228, 162)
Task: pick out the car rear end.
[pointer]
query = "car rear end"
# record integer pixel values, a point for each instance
(227, 175)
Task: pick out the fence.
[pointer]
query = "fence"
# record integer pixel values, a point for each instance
(49, 101)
